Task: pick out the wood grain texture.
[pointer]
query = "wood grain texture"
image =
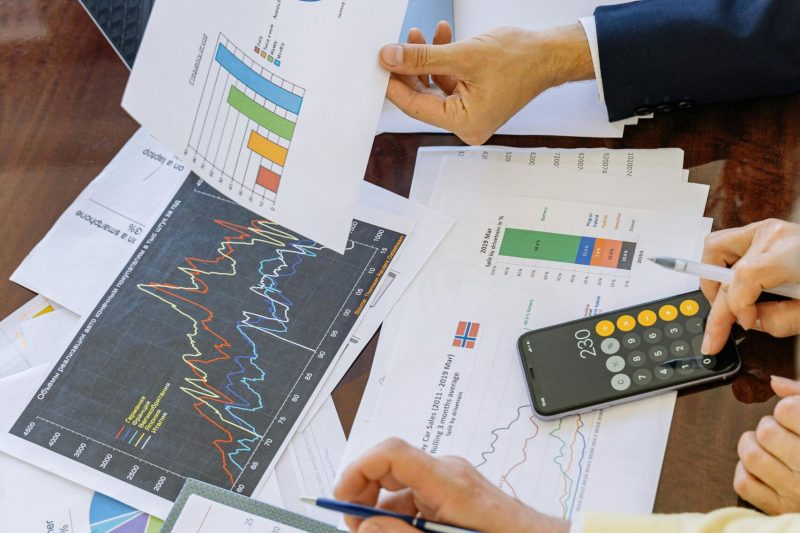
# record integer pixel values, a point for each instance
(60, 124)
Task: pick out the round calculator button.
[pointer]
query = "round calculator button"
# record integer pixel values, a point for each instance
(620, 382)
(637, 358)
(689, 307)
(694, 325)
(610, 346)
(626, 323)
(631, 341)
(668, 313)
(673, 331)
(642, 377)
(697, 342)
(658, 353)
(615, 363)
(664, 372)
(647, 318)
(652, 335)
(708, 362)
(604, 328)
(679, 348)
(685, 366)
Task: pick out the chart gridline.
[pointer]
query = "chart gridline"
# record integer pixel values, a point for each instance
(244, 124)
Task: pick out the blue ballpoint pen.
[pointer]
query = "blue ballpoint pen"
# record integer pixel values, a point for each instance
(362, 511)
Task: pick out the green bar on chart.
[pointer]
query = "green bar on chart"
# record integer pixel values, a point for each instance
(260, 115)
(529, 244)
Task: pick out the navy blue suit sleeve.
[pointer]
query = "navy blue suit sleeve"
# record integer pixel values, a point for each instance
(675, 52)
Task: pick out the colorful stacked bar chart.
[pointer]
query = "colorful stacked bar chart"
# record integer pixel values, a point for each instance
(245, 123)
(570, 249)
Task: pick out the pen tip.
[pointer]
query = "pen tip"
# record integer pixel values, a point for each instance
(308, 500)
(667, 262)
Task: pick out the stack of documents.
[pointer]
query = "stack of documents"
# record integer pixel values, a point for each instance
(201, 298)
(156, 265)
(459, 390)
(209, 319)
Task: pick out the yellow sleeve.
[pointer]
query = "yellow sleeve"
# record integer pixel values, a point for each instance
(730, 520)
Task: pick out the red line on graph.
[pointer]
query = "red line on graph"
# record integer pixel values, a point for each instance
(216, 396)
(119, 432)
(504, 477)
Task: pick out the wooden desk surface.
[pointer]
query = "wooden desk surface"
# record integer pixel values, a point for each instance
(60, 123)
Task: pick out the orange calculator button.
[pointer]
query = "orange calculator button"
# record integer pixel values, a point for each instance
(626, 323)
(647, 318)
(668, 313)
(604, 328)
(689, 307)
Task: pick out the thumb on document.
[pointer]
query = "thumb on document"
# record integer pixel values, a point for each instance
(422, 58)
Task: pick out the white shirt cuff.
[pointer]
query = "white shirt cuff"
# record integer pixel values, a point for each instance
(590, 29)
(577, 524)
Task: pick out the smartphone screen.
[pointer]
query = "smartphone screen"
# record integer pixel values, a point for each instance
(627, 353)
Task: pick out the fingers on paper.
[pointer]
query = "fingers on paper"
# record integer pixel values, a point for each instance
(444, 35)
(416, 59)
(431, 106)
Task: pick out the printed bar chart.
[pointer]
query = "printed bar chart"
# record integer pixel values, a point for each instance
(245, 123)
(570, 249)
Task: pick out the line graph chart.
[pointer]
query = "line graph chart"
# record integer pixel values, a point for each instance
(543, 464)
(244, 124)
(526, 448)
(202, 356)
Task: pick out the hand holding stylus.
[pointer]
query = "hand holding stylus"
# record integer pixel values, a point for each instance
(762, 255)
(446, 489)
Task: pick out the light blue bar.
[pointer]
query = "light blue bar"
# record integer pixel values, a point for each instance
(277, 95)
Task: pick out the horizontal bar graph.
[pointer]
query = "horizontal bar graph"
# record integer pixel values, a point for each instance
(570, 249)
(245, 123)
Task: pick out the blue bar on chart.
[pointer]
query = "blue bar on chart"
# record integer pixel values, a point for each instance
(260, 85)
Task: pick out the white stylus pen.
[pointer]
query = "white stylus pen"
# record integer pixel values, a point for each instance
(723, 275)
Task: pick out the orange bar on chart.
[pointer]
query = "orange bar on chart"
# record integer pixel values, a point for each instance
(606, 253)
(267, 149)
(268, 179)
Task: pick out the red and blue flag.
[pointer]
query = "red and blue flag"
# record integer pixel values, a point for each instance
(466, 335)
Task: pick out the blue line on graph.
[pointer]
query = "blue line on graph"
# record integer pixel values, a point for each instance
(580, 466)
(260, 85)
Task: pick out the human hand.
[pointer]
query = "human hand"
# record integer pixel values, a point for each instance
(482, 82)
(768, 473)
(764, 255)
(446, 489)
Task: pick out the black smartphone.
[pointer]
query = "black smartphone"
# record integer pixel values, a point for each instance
(625, 355)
